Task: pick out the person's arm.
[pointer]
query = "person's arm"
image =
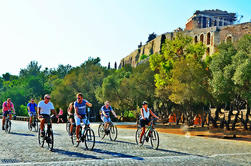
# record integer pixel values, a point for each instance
(76, 112)
(69, 110)
(103, 112)
(89, 104)
(12, 107)
(54, 112)
(38, 112)
(114, 114)
(153, 114)
(142, 114)
(28, 107)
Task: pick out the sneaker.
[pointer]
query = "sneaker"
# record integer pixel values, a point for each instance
(3, 128)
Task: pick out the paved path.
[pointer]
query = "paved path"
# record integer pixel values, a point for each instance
(21, 148)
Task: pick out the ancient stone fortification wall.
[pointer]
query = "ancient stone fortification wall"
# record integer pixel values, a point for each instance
(211, 37)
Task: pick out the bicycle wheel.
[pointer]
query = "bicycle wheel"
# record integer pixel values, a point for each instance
(89, 139)
(113, 133)
(40, 139)
(29, 125)
(35, 125)
(101, 130)
(7, 126)
(73, 136)
(154, 137)
(137, 137)
(50, 139)
(67, 126)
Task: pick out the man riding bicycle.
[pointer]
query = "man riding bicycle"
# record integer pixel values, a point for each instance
(31, 107)
(7, 107)
(105, 115)
(80, 113)
(44, 111)
(145, 118)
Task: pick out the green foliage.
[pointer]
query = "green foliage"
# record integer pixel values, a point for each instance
(231, 72)
(142, 57)
(22, 111)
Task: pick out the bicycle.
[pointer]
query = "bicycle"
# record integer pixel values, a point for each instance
(34, 123)
(112, 131)
(150, 133)
(86, 135)
(48, 135)
(7, 124)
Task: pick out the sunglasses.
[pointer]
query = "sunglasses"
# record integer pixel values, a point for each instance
(79, 98)
(48, 98)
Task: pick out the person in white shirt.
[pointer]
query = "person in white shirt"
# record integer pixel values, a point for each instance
(145, 118)
(45, 107)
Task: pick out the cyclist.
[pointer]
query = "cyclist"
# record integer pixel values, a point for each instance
(71, 116)
(105, 115)
(31, 107)
(45, 107)
(7, 107)
(60, 115)
(145, 118)
(80, 112)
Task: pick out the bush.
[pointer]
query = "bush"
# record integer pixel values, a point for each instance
(22, 111)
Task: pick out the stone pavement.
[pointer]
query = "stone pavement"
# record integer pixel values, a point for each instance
(21, 148)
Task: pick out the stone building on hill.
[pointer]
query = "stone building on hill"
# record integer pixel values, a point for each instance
(210, 27)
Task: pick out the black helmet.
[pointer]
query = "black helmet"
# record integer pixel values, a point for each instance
(144, 102)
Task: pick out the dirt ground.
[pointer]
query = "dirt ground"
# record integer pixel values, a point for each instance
(196, 132)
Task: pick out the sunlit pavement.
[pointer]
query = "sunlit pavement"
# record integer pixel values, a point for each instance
(20, 147)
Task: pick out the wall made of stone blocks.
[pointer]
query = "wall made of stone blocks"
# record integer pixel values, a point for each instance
(236, 31)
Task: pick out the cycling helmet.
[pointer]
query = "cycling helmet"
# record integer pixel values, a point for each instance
(144, 102)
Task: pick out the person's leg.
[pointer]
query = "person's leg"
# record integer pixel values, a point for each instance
(142, 124)
(42, 121)
(30, 118)
(3, 122)
(142, 133)
(10, 116)
(77, 120)
(71, 126)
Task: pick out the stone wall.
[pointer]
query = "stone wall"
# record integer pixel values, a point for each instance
(211, 37)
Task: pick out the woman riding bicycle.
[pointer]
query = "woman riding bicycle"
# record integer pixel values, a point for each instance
(145, 118)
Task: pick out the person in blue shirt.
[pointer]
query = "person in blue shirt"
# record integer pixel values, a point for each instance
(31, 107)
(80, 112)
(105, 114)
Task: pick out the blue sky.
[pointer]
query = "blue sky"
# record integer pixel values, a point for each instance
(55, 32)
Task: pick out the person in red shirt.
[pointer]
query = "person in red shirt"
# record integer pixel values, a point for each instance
(7, 107)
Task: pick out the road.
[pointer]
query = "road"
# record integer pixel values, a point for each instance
(20, 147)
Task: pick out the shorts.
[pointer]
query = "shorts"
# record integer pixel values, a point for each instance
(106, 120)
(32, 114)
(143, 122)
(46, 117)
(70, 116)
(60, 116)
(84, 119)
(5, 113)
